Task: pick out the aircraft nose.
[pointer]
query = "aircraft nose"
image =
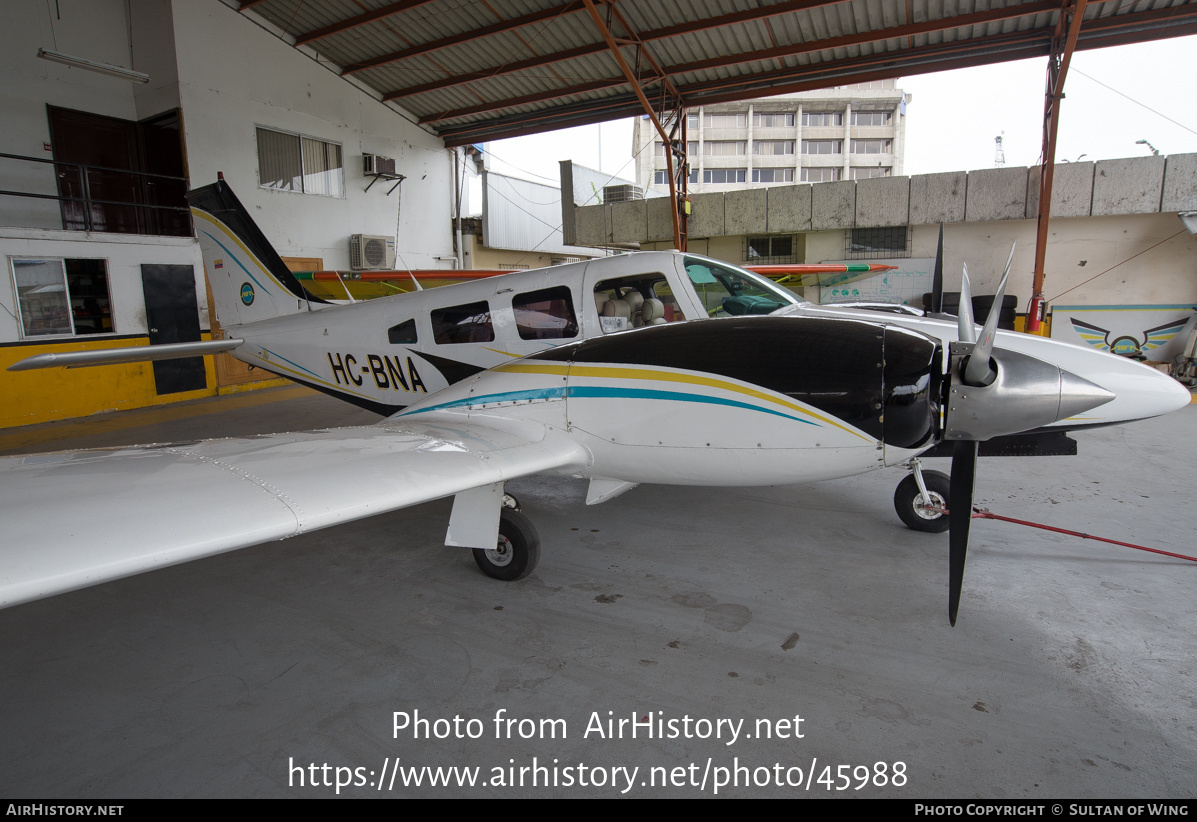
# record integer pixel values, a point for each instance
(1140, 390)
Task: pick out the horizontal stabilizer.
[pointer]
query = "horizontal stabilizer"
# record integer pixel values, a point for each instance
(115, 356)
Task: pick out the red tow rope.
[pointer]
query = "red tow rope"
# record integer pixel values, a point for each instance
(982, 513)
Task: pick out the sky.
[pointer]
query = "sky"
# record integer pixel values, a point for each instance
(1113, 98)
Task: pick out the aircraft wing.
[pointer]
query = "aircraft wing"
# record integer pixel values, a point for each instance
(78, 519)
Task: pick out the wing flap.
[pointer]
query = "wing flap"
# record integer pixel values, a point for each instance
(78, 519)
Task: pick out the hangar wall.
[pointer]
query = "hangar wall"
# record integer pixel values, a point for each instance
(1111, 213)
(226, 77)
(234, 77)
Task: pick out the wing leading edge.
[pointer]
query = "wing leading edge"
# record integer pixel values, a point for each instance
(79, 519)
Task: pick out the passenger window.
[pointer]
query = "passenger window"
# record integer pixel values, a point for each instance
(463, 324)
(547, 314)
(402, 333)
(630, 302)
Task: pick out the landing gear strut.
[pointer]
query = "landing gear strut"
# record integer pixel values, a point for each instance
(922, 499)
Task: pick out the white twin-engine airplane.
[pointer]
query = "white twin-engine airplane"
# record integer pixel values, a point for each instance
(657, 367)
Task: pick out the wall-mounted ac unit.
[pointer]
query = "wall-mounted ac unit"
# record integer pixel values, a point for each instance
(622, 194)
(371, 253)
(374, 165)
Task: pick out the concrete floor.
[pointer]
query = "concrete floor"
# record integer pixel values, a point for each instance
(1070, 673)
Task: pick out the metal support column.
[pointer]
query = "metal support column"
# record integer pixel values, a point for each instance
(1068, 27)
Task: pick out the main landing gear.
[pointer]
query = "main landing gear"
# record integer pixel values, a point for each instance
(922, 499)
(518, 550)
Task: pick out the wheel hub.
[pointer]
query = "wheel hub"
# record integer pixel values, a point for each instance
(502, 554)
(931, 507)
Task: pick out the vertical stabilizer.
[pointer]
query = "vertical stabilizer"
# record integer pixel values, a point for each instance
(249, 280)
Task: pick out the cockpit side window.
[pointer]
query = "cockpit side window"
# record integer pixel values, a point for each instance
(631, 302)
(726, 291)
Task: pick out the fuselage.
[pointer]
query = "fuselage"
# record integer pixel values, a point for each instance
(388, 353)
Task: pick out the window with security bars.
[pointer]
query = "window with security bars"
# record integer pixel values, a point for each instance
(782, 248)
(876, 243)
(293, 162)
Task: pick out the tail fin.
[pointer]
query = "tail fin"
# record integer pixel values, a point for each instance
(249, 280)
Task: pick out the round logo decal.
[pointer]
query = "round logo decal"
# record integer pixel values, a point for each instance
(247, 294)
(1126, 346)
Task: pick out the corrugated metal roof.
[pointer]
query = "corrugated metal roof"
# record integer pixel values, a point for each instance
(474, 70)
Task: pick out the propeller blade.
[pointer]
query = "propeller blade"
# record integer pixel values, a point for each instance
(937, 277)
(978, 370)
(960, 517)
(964, 317)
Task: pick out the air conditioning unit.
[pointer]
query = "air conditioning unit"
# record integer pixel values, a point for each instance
(370, 253)
(622, 194)
(374, 165)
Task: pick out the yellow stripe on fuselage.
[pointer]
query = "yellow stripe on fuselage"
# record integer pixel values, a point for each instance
(608, 372)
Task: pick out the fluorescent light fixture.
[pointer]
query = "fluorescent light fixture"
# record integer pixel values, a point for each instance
(92, 65)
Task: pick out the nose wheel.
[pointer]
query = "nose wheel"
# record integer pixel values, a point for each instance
(922, 499)
(517, 552)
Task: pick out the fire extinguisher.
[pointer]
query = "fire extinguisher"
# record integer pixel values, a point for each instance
(1035, 314)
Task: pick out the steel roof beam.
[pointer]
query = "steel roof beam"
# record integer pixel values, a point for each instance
(360, 20)
(634, 80)
(468, 37)
(486, 74)
(749, 15)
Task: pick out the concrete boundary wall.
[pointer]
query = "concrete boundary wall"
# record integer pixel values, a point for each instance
(1137, 185)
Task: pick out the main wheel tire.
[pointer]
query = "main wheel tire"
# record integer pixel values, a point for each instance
(518, 550)
(916, 516)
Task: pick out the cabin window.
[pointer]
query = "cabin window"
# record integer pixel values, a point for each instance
(631, 302)
(547, 314)
(62, 297)
(468, 323)
(294, 162)
(405, 332)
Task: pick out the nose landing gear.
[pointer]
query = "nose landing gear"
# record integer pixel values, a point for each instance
(922, 499)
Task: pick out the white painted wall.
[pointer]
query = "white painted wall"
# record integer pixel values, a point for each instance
(93, 30)
(235, 76)
(124, 254)
(1152, 258)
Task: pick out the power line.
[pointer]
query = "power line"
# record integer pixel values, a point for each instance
(1133, 100)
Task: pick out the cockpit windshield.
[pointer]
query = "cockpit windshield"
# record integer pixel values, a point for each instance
(728, 291)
